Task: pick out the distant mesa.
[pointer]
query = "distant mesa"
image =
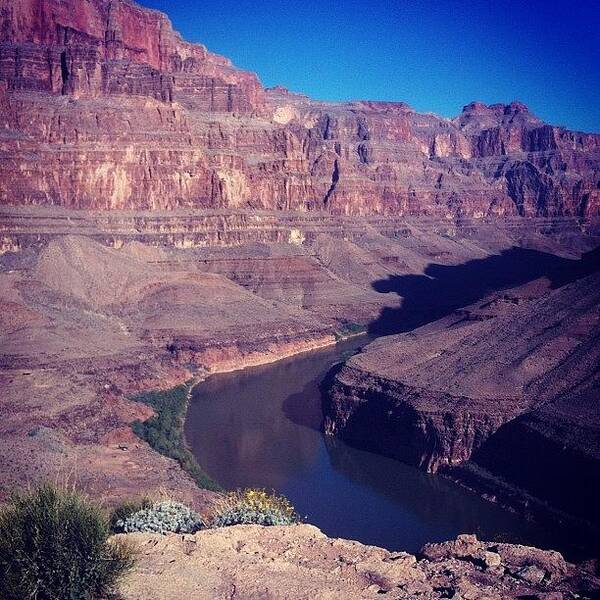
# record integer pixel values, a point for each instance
(479, 107)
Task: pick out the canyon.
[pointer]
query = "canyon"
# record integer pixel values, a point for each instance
(99, 306)
(164, 217)
(516, 365)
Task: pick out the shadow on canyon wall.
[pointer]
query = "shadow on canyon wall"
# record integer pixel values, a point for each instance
(310, 414)
(442, 289)
(438, 292)
(547, 468)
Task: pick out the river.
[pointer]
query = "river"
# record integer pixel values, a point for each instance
(260, 428)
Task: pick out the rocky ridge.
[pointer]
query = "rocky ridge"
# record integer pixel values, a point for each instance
(513, 373)
(104, 106)
(99, 306)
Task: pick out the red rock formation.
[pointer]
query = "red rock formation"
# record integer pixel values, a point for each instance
(97, 47)
(105, 106)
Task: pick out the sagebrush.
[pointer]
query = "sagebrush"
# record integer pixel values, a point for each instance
(161, 517)
(125, 510)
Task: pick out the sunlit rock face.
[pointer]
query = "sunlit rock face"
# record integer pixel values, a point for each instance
(104, 106)
(304, 563)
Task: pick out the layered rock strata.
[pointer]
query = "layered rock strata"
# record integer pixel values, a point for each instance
(120, 302)
(104, 106)
(164, 216)
(510, 383)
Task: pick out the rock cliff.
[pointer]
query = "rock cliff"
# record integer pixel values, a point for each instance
(163, 216)
(96, 306)
(510, 383)
(104, 106)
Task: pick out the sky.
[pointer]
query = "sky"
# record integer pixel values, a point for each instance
(436, 55)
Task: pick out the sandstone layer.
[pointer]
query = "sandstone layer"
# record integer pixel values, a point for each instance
(299, 562)
(104, 106)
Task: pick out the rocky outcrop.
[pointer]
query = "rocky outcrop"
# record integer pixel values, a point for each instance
(420, 426)
(104, 106)
(300, 562)
(86, 326)
(101, 47)
(437, 395)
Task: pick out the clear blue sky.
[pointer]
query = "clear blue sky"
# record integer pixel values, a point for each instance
(437, 55)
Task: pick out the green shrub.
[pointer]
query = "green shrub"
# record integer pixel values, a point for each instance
(162, 517)
(348, 329)
(54, 546)
(125, 510)
(253, 506)
(164, 431)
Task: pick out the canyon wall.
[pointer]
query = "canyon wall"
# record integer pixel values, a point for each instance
(104, 106)
(501, 394)
(98, 305)
(164, 216)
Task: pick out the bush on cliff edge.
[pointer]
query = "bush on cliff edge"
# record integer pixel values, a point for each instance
(124, 510)
(162, 517)
(54, 545)
(253, 507)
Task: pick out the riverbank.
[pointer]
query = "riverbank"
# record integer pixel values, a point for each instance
(500, 395)
(220, 360)
(261, 427)
(164, 430)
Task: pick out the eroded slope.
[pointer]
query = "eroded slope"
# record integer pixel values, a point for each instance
(511, 383)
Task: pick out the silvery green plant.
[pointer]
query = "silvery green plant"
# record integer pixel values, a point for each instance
(163, 517)
(245, 516)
